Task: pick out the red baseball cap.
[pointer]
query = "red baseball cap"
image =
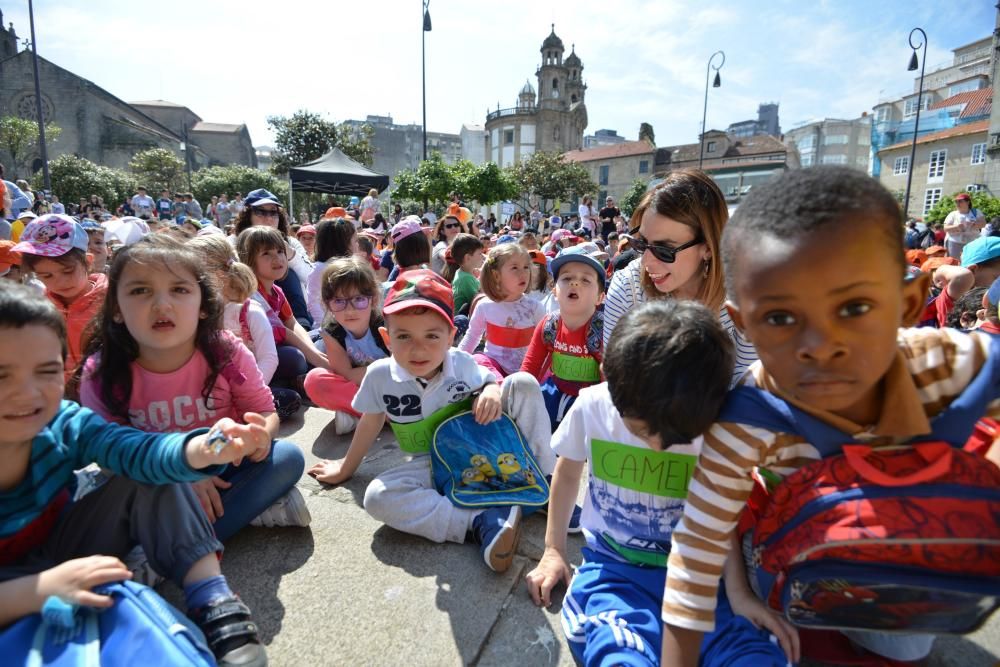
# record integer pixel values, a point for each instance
(420, 288)
(335, 212)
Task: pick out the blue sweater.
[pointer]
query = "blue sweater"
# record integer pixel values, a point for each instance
(74, 438)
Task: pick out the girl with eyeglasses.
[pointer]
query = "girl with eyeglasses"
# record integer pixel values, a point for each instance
(677, 231)
(352, 339)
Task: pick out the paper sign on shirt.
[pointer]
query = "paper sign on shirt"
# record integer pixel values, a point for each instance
(416, 437)
(575, 369)
(659, 473)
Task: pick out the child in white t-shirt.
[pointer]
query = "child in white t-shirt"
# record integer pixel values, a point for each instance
(668, 369)
(423, 376)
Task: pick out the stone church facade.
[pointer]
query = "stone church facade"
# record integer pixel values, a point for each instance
(100, 127)
(553, 119)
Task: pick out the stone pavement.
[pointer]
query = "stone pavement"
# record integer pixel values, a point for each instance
(350, 591)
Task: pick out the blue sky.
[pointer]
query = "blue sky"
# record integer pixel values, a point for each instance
(644, 60)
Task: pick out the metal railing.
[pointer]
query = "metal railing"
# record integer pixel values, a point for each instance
(500, 113)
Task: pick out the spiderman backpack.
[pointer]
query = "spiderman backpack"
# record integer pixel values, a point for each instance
(898, 538)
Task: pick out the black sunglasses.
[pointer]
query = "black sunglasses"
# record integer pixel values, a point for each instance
(264, 213)
(452, 225)
(661, 252)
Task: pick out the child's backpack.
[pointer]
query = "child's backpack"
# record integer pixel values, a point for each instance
(899, 538)
(486, 465)
(141, 628)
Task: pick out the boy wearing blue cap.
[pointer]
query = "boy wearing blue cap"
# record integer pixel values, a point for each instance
(565, 351)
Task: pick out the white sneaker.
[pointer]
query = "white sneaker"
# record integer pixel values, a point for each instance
(289, 510)
(343, 423)
(142, 571)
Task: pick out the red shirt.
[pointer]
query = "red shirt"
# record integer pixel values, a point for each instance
(575, 367)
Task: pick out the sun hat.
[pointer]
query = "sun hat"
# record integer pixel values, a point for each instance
(52, 235)
(406, 227)
(306, 229)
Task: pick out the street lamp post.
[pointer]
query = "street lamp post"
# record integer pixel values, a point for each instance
(916, 122)
(423, 66)
(704, 111)
(38, 101)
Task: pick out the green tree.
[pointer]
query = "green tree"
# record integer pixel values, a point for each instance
(235, 178)
(631, 198)
(357, 143)
(485, 183)
(550, 178)
(19, 137)
(158, 169)
(646, 132)
(75, 178)
(302, 137)
(990, 207)
(433, 181)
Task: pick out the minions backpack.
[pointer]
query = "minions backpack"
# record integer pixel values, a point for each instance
(486, 465)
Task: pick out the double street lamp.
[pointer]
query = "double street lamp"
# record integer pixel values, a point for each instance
(916, 122)
(704, 111)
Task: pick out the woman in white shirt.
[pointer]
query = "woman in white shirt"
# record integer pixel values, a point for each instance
(586, 212)
(962, 226)
(678, 238)
(369, 206)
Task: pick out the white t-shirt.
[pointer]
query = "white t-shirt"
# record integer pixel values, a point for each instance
(142, 204)
(511, 320)
(586, 221)
(390, 389)
(620, 522)
(967, 233)
(262, 344)
(314, 292)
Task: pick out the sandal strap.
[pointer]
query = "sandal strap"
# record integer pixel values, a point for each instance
(222, 609)
(224, 633)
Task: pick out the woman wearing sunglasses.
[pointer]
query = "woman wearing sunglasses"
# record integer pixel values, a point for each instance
(263, 208)
(350, 296)
(677, 231)
(447, 229)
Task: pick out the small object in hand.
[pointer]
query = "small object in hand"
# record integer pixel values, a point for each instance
(217, 440)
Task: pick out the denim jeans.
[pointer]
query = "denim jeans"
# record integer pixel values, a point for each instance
(255, 486)
(291, 363)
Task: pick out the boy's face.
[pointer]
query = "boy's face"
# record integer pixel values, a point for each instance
(97, 248)
(824, 323)
(418, 343)
(65, 280)
(578, 289)
(31, 382)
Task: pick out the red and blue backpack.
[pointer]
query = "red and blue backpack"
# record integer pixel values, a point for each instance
(897, 538)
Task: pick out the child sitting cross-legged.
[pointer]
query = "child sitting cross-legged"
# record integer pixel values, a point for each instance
(847, 381)
(53, 546)
(668, 366)
(423, 376)
(350, 336)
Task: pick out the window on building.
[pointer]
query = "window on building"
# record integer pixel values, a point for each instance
(978, 153)
(931, 197)
(643, 166)
(834, 159)
(805, 143)
(971, 187)
(910, 106)
(935, 167)
(901, 166)
(603, 179)
(602, 196)
(555, 84)
(835, 139)
(508, 137)
(807, 160)
(555, 133)
(711, 147)
(864, 139)
(963, 87)
(882, 114)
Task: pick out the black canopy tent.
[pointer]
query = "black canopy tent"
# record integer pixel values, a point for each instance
(336, 174)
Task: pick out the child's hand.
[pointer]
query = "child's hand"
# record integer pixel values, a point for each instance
(245, 440)
(551, 569)
(486, 406)
(73, 580)
(329, 472)
(749, 607)
(207, 491)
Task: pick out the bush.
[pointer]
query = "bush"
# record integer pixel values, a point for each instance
(990, 207)
(213, 181)
(75, 178)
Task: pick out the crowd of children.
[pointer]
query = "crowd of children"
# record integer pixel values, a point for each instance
(163, 336)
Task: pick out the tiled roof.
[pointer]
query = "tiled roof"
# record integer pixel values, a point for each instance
(957, 131)
(743, 147)
(977, 103)
(624, 149)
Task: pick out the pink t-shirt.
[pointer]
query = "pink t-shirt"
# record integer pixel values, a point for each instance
(171, 402)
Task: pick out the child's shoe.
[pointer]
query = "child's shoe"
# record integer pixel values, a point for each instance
(288, 510)
(498, 530)
(286, 402)
(231, 634)
(343, 422)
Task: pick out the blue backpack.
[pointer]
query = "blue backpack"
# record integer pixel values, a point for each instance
(141, 628)
(486, 465)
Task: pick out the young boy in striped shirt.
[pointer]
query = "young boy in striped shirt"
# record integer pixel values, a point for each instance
(815, 279)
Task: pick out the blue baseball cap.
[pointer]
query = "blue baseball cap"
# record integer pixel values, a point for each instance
(260, 197)
(506, 238)
(90, 225)
(981, 250)
(585, 253)
(993, 293)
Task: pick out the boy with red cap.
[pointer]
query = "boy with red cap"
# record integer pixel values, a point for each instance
(424, 376)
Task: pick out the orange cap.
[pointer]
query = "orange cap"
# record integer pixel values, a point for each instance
(936, 251)
(335, 212)
(916, 257)
(937, 262)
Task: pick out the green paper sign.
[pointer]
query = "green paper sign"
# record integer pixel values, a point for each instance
(416, 437)
(659, 473)
(575, 369)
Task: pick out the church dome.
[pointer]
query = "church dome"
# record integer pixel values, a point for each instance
(528, 88)
(552, 41)
(573, 60)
